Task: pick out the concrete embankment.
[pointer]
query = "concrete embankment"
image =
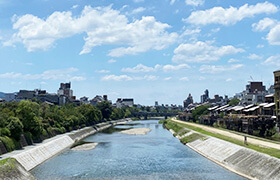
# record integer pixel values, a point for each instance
(31, 156)
(238, 159)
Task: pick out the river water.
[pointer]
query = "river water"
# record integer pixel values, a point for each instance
(157, 155)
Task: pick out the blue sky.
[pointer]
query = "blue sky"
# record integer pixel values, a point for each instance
(158, 50)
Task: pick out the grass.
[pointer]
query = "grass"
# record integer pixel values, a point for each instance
(191, 138)
(270, 151)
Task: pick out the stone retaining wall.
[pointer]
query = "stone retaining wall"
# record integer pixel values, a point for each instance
(243, 161)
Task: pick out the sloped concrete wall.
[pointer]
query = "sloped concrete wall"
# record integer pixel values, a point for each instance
(35, 156)
(244, 161)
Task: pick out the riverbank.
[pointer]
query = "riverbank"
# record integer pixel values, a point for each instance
(236, 158)
(31, 156)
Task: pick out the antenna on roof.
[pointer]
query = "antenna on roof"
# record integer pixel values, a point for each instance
(252, 78)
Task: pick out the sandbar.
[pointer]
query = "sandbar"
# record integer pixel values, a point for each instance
(136, 131)
(85, 147)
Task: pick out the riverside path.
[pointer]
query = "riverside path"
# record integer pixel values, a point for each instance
(251, 140)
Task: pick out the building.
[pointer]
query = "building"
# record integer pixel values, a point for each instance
(277, 92)
(204, 98)
(84, 100)
(10, 97)
(254, 94)
(25, 95)
(97, 99)
(65, 90)
(124, 102)
(188, 101)
(255, 87)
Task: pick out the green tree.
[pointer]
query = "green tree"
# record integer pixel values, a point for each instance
(201, 110)
(106, 109)
(15, 127)
(28, 113)
(234, 102)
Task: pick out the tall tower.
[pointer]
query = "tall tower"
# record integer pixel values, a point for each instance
(277, 93)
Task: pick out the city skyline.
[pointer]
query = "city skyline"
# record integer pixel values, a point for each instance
(150, 51)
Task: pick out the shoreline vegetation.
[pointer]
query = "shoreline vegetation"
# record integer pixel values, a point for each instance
(177, 127)
(31, 121)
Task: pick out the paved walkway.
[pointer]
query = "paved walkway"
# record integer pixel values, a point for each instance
(232, 135)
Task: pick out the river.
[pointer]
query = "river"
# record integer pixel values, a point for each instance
(157, 155)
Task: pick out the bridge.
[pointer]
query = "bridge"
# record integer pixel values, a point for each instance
(154, 114)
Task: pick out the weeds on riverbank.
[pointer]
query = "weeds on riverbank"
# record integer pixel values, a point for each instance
(191, 138)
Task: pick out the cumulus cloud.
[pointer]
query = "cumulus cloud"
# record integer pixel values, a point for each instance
(232, 60)
(184, 79)
(103, 26)
(140, 68)
(57, 74)
(219, 68)
(102, 71)
(271, 25)
(166, 68)
(264, 24)
(112, 61)
(167, 78)
(254, 56)
(172, 2)
(129, 78)
(273, 60)
(202, 52)
(195, 2)
(231, 15)
(116, 78)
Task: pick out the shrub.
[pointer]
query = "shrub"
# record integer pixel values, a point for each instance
(9, 143)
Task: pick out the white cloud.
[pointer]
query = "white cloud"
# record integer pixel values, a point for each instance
(103, 26)
(29, 64)
(217, 69)
(273, 60)
(273, 36)
(201, 78)
(231, 15)
(166, 68)
(112, 61)
(264, 24)
(190, 32)
(232, 60)
(202, 52)
(140, 68)
(271, 25)
(229, 79)
(195, 2)
(150, 78)
(102, 71)
(167, 78)
(260, 46)
(116, 78)
(184, 79)
(137, 1)
(254, 56)
(172, 2)
(57, 74)
(129, 78)
(75, 6)
(138, 10)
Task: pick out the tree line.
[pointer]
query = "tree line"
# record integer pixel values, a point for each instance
(34, 121)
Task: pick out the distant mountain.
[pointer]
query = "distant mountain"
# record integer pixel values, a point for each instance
(2, 95)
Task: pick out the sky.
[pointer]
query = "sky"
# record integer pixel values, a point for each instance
(159, 50)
